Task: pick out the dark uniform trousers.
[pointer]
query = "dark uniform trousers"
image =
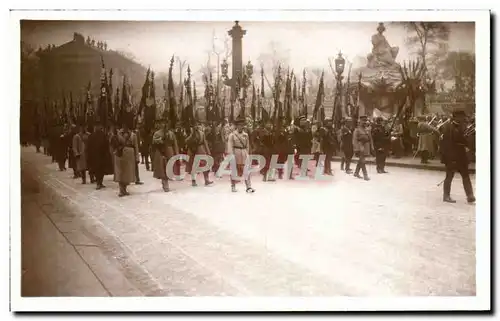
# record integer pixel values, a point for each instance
(463, 169)
(380, 157)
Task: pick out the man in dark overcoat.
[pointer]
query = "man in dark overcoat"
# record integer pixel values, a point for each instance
(454, 156)
(98, 154)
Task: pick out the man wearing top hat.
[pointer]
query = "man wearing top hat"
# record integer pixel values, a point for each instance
(454, 156)
(363, 146)
(238, 145)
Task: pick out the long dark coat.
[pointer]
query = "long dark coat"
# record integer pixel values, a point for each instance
(453, 146)
(99, 158)
(197, 145)
(164, 147)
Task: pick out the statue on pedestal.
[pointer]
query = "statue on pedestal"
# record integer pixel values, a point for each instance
(382, 55)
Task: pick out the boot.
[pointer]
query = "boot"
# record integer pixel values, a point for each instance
(193, 183)
(84, 177)
(164, 184)
(448, 199)
(471, 199)
(207, 181)
(123, 192)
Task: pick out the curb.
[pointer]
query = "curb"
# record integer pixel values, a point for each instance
(431, 167)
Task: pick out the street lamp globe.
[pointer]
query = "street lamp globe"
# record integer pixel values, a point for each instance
(249, 70)
(339, 63)
(224, 67)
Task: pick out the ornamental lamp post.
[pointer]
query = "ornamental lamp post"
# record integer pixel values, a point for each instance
(339, 69)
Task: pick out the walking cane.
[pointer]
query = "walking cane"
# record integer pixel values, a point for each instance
(441, 182)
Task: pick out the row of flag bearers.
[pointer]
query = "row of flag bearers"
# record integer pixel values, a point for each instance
(116, 151)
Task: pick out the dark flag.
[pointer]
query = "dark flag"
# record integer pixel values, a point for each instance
(111, 114)
(172, 104)
(103, 112)
(88, 102)
(126, 103)
(277, 93)
(65, 112)
(223, 106)
(195, 100)
(262, 92)
(116, 109)
(253, 108)
(288, 98)
(145, 93)
(150, 108)
(319, 97)
(188, 112)
(303, 98)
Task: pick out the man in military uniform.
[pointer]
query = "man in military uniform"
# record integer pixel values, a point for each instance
(238, 145)
(363, 146)
(381, 144)
(454, 156)
(345, 138)
(329, 144)
(302, 139)
(165, 146)
(197, 145)
(266, 143)
(136, 140)
(145, 143)
(283, 146)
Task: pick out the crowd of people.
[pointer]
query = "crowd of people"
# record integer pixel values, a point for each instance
(119, 151)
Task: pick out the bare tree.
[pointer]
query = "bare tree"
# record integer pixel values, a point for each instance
(275, 56)
(427, 38)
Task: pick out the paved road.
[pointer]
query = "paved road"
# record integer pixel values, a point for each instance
(390, 236)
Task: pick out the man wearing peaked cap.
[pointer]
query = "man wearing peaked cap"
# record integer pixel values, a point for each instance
(329, 144)
(346, 147)
(238, 145)
(363, 146)
(197, 145)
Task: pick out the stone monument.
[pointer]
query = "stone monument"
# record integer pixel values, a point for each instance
(382, 55)
(380, 76)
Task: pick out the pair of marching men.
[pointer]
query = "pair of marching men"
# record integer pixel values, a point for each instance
(165, 147)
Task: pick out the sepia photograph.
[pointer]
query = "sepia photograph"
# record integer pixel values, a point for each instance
(247, 156)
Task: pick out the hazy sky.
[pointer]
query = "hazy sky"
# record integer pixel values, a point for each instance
(309, 43)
